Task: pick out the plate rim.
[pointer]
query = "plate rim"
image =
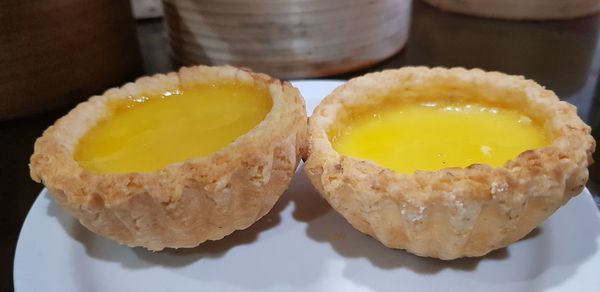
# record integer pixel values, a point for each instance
(19, 263)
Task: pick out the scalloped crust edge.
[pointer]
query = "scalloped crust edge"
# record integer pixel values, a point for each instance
(183, 204)
(454, 212)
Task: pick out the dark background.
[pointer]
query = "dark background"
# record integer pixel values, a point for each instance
(562, 55)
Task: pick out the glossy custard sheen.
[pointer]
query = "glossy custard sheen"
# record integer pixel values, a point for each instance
(432, 136)
(148, 133)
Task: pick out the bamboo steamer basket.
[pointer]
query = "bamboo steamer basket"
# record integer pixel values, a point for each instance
(521, 9)
(58, 52)
(287, 38)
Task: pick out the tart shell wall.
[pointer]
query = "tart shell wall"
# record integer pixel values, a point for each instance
(187, 203)
(453, 212)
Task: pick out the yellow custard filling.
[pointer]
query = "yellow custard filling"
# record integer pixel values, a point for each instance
(148, 133)
(432, 136)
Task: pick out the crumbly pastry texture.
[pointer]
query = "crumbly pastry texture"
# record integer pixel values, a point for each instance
(187, 203)
(453, 212)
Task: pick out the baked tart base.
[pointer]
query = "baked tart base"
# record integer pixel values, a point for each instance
(452, 212)
(186, 203)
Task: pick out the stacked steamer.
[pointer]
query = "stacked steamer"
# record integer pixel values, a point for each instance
(521, 9)
(287, 38)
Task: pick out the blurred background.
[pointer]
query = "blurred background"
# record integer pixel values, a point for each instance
(56, 53)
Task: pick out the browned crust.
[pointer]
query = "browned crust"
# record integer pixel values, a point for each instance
(183, 204)
(454, 212)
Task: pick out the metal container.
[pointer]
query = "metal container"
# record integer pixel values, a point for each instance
(287, 38)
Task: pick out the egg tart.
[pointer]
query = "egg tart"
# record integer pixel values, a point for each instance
(174, 160)
(446, 163)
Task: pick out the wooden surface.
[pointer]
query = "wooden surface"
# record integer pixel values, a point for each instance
(55, 52)
(521, 9)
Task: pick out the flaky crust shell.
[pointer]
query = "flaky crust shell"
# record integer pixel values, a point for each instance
(453, 212)
(183, 204)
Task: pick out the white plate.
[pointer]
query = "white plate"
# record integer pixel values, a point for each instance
(302, 245)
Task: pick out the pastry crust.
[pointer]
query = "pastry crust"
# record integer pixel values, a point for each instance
(453, 212)
(183, 204)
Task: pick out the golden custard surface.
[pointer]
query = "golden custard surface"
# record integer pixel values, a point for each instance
(148, 133)
(432, 136)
